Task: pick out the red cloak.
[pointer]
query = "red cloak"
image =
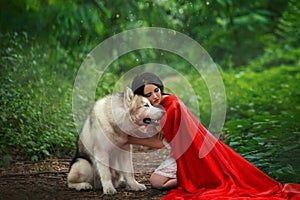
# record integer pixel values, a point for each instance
(209, 169)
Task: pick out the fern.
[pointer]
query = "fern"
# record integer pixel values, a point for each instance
(289, 25)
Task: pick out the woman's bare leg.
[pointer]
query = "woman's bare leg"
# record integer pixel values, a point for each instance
(161, 182)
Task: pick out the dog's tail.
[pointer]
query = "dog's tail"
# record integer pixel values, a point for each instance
(79, 154)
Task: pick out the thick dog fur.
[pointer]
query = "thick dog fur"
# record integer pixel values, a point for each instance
(103, 159)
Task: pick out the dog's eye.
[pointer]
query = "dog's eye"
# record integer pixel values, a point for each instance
(146, 105)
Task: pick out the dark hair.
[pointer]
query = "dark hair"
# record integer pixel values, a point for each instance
(141, 80)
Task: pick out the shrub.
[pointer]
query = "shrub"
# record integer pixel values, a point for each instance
(36, 119)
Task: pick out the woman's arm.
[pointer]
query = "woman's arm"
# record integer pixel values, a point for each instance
(152, 142)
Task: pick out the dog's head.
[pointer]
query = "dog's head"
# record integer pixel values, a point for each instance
(140, 109)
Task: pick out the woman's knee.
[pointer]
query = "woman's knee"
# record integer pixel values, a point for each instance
(157, 181)
(161, 182)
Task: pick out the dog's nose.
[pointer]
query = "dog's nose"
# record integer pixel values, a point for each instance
(163, 112)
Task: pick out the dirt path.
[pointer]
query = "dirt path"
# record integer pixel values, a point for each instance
(47, 179)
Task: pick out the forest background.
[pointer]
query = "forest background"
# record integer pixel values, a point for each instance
(255, 44)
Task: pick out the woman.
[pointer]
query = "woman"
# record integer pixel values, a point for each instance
(206, 167)
(150, 86)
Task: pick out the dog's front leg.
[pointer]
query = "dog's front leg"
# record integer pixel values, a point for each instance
(125, 157)
(102, 165)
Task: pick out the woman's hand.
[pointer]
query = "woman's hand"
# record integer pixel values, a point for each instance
(153, 142)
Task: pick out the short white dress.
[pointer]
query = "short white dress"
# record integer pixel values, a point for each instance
(168, 167)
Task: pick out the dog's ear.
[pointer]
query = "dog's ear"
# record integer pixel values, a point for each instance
(128, 95)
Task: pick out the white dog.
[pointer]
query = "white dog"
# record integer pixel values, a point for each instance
(103, 158)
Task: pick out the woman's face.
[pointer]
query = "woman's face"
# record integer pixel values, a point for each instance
(153, 93)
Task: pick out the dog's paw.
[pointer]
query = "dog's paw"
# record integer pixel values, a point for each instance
(137, 187)
(119, 184)
(81, 186)
(109, 190)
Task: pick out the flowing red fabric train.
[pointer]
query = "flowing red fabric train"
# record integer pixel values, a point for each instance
(208, 169)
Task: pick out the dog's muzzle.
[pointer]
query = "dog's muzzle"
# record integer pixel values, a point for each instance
(147, 121)
(151, 121)
(154, 122)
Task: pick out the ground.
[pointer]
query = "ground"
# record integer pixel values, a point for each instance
(47, 179)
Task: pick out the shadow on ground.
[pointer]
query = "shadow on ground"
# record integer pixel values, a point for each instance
(47, 180)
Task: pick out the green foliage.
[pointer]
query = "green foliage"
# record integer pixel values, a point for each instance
(288, 27)
(263, 119)
(36, 121)
(65, 22)
(238, 29)
(233, 32)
